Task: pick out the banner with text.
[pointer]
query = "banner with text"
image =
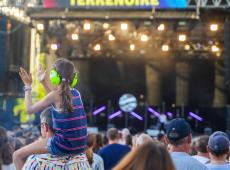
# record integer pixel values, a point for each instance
(115, 4)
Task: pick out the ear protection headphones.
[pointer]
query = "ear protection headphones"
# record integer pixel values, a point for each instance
(55, 78)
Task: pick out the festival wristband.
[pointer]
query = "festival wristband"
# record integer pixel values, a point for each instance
(27, 88)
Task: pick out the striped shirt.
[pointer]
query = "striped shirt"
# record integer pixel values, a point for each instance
(51, 162)
(70, 128)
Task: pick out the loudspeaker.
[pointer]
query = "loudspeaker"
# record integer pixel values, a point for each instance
(227, 54)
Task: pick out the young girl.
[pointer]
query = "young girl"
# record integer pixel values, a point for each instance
(69, 120)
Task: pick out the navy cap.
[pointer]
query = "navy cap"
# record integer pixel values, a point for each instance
(177, 129)
(218, 141)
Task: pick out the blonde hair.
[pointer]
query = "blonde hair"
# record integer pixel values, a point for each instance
(149, 156)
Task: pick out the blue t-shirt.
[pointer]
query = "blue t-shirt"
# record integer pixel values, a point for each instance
(112, 154)
(211, 166)
(70, 128)
(183, 161)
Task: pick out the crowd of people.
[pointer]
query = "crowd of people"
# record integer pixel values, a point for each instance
(63, 142)
(178, 151)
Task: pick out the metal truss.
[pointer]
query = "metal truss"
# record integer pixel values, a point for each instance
(208, 3)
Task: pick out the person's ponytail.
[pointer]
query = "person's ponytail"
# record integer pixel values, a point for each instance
(66, 97)
(89, 155)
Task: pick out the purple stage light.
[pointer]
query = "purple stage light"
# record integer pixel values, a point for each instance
(153, 112)
(99, 110)
(196, 116)
(136, 115)
(113, 115)
(169, 114)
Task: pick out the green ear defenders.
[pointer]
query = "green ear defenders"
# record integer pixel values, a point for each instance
(55, 78)
(74, 81)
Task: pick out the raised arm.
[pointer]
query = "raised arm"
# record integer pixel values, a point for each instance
(42, 77)
(42, 104)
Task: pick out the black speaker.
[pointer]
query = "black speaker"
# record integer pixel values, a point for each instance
(201, 81)
(227, 54)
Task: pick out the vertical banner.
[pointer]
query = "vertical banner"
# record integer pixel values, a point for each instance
(49, 4)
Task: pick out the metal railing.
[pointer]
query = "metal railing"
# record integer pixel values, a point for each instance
(208, 3)
(21, 3)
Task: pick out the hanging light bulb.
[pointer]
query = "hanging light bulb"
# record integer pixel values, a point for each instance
(124, 26)
(161, 27)
(132, 47)
(54, 47)
(87, 26)
(144, 38)
(97, 47)
(165, 48)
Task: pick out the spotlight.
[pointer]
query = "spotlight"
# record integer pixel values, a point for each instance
(187, 47)
(87, 26)
(40, 27)
(97, 47)
(54, 47)
(144, 38)
(111, 37)
(105, 25)
(165, 48)
(213, 27)
(132, 47)
(124, 26)
(182, 37)
(215, 49)
(74, 36)
(161, 27)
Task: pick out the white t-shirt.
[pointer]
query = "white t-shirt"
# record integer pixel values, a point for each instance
(201, 159)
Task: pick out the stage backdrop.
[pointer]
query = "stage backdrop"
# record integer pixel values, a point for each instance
(116, 4)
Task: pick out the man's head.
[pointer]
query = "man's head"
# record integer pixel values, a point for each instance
(201, 144)
(113, 135)
(46, 123)
(178, 132)
(142, 139)
(218, 144)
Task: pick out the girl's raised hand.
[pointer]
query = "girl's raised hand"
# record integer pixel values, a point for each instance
(26, 78)
(41, 74)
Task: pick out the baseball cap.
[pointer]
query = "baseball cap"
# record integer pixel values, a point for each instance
(218, 141)
(177, 129)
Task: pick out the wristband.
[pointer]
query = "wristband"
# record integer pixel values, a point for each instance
(27, 88)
